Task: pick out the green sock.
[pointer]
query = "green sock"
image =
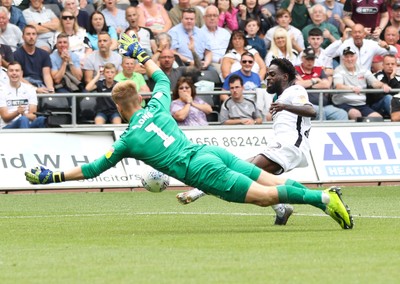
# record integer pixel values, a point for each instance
(300, 195)
(294, 183)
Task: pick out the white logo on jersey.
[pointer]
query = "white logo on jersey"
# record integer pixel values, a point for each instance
(143, 119)
(168, 140)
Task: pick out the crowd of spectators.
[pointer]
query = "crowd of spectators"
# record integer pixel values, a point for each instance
(63, 46)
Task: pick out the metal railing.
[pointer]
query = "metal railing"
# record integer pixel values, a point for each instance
(75, 96)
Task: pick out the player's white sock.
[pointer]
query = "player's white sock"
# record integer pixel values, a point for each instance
(279, 209)
(325, 198)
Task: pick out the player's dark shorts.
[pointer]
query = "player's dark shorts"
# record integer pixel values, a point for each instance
(364, 109)
(395, 104)
(216, 171)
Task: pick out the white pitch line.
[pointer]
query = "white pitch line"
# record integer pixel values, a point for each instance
(178, 213)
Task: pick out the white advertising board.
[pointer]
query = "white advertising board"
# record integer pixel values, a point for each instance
(59, 151)
(356, 153)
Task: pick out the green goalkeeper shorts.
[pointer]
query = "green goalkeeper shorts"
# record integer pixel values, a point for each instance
(216, 171)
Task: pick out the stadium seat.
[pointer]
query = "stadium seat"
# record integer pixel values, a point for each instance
(86, 110)
(59, 107)
(212, 76)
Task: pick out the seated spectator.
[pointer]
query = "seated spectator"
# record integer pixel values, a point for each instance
(175, 14)
(237, 109)
(114, 16)
(98, 24)
(281, 47)
(6, 54)
(231, 60)
(250, 9)
(283, 19)
(389, 75)
(319, 20)
(252, 27)
(394, 19)
(65, 67)
(127, 73)
(183, 33)
(163, 41)
(299, 11)
(251, 80)
(81, 15)
(217, 36)
(352, 77)
(154, 17)
(18, 102)
(10, 35)
(311, 76)
(69, 26)
(45, 22)
(35, 62)
(334, 13)
(98, 59)
(186, 107)
(373, 16)
(227, 15)
(391, 37)
(314, 40)
(145, 35)
(365, 49)
(16, 16)
(166, 63)
(106, 110)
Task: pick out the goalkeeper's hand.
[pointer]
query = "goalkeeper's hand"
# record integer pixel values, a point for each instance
(129, 46)
(41, 175)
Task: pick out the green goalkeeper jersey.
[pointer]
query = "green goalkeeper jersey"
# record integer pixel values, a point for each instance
(152, 136)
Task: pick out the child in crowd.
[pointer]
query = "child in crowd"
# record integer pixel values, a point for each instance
(106, 111)
(252, 28)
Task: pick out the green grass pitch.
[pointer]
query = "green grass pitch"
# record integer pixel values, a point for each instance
(141, 237)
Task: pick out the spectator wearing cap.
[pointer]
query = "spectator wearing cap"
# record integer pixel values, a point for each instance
(391, 37)
(389, 75)
(311, 76)
(319, 20)
(354, 78)
(373, 15)
(365, 49)
(251, 80)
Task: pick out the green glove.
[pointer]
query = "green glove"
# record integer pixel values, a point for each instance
(129, 46)
(41, 175)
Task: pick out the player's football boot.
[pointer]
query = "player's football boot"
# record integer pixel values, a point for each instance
(282, 220)
(189, 196)
(337, 209)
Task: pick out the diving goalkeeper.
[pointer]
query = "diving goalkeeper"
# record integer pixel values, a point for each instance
(154, 137)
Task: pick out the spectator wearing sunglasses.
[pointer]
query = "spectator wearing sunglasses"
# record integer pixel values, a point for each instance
(251, 80)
